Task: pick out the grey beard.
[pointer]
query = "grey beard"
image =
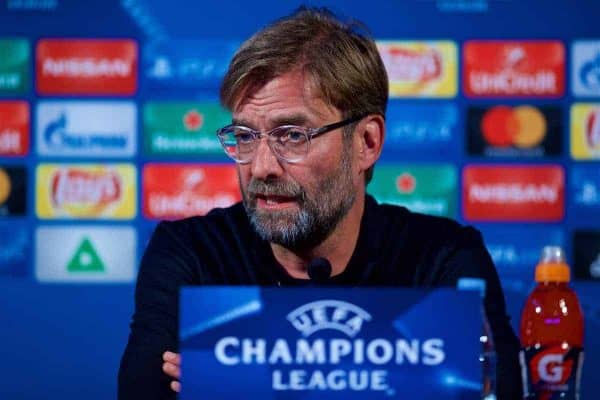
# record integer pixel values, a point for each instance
(306, 229)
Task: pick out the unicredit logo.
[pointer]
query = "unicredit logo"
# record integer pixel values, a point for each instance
(528, 68)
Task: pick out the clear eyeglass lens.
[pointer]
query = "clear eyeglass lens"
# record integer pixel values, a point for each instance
(289, 142)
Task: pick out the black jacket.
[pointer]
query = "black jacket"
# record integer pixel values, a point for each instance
(395, 248)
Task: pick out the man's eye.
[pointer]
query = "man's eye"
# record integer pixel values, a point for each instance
(244, 137)
(294, 136)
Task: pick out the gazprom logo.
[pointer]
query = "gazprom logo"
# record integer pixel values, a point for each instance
(328, 314)
(79, 128)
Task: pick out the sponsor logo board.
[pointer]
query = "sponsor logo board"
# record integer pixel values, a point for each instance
(187, 63)
(14, 128)
(343, 345)
(585, 70)
(420, 69)
(183, 128)
(429, 128)
(584, 188)
(428, 189)
(182, 190)
(519, 131)
(13, 189)
(86, 128)
(517, 250)
(14, 66)
(585, 131)
(586, 245)
(86, 67)
(86, 191)
(15, 246)
(514, 68)
(513, 193)
(85, 254)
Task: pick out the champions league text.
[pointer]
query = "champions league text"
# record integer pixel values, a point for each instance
(369, 355)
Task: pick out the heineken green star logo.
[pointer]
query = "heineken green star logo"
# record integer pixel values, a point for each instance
(85, 259)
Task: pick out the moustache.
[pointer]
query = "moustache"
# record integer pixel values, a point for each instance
(275, 188)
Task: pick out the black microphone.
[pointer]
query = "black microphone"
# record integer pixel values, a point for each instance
(319, 270)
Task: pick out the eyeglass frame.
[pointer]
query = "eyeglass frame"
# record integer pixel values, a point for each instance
(310, 134)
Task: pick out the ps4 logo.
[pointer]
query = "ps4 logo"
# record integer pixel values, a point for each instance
(328, 314)
(588, 194)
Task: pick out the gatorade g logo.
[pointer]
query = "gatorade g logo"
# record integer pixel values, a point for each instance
(551, 366)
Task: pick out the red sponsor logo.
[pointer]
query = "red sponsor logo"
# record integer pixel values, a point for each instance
(193, 121)
(406, 183)
(517, 193)
(592, 129)
(14, 128)
(525, 68)
(178, 191)
(86, 66)
(410, 65)
(77, 187)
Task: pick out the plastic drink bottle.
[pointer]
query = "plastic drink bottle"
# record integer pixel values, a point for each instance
(551, 332)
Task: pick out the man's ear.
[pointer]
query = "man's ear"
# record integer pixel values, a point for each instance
(369, 140)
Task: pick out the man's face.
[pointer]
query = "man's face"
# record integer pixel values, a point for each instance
(296, 205)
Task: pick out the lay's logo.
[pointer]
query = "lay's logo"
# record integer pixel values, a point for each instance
(81, 188)
(420, 69)
(86, 191)
(415, 65)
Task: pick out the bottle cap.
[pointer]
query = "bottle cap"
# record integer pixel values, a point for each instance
(552, 266)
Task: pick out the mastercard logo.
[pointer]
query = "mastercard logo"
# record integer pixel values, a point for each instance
(522, 126)
(5, 186)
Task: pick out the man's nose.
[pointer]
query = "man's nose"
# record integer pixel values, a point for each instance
(265, 163)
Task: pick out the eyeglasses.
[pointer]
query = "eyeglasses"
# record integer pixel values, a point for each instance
(288, 142)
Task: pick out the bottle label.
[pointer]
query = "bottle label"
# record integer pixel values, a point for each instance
(551, 372)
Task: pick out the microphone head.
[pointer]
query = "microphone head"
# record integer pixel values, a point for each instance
(319, 270)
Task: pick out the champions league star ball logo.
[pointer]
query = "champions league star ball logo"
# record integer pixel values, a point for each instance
(330, 355)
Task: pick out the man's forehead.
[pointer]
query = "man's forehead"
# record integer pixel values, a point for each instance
(286, 98)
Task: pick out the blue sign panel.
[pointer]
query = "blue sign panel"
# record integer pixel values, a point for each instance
(329, 343)
(517, 250)
(187, 63)
(14, 248)
(584, 189)
(428, 128)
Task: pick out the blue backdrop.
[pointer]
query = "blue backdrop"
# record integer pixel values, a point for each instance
(64, 329)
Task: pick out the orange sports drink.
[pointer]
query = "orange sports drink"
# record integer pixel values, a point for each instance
(552, 330)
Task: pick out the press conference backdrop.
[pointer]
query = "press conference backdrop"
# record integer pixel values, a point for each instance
(107, 118)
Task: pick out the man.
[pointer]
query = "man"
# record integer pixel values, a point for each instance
(308, 96)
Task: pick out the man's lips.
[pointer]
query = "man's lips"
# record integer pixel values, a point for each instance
(274, 201)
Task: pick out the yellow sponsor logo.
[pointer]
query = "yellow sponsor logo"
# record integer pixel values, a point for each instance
(85, 191)
(585, 131)
(420, 69)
